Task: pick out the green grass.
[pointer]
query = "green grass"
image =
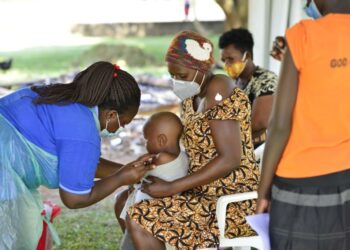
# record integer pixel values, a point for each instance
(155, 46)
(37, 63)
(45, 60)
(88, 229)
(158, 45)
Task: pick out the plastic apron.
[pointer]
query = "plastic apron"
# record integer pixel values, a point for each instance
(23, 168)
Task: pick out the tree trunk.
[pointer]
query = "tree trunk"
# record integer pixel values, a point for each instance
(232, 18)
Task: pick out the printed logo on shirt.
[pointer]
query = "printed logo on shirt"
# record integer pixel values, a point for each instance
(339, 62)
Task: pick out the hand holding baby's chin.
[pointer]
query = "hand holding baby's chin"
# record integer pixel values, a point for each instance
(132, 172)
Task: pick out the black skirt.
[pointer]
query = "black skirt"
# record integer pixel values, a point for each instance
(311, 213)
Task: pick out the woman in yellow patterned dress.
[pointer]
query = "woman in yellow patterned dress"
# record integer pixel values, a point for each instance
(217, 139)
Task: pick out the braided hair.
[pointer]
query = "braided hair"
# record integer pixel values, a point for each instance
(102, 84)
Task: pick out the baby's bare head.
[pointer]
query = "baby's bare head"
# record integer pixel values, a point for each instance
(162, 130)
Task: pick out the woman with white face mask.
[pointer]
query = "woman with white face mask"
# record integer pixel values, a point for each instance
(217, 138)
(50, 136)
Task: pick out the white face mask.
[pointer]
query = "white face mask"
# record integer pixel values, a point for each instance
(186, 89)
(106, 134)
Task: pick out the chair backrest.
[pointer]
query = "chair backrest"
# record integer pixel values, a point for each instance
(259, 153)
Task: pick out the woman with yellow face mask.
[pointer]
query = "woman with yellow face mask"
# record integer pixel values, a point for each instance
(236, 47)
(234, 70)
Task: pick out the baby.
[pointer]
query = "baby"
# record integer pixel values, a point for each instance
(162, 133)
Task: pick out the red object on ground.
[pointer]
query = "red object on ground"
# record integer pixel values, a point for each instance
(51, 210)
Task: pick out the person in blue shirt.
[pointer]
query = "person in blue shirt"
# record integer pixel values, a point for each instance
(50, 136)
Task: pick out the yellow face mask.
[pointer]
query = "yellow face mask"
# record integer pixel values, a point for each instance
(235, 69)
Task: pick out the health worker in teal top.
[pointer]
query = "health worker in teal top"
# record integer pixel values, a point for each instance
(51, 136)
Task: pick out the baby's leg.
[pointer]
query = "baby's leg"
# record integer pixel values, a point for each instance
(119, 205)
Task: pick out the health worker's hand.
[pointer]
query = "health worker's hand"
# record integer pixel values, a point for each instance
(133, 172)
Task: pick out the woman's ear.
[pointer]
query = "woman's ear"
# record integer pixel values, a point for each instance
(162, 140)
(108, 114)
(249, 56)
(111, 115)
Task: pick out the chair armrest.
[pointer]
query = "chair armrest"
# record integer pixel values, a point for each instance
(222, 203)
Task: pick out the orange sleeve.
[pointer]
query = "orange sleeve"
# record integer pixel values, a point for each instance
(296, 39)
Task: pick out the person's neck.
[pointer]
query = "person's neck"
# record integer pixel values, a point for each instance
(205, 85)
(168, 154)
(171, 149)
(247, 74)
(336, 7)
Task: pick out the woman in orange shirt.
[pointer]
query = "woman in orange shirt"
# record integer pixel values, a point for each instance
(306, 168)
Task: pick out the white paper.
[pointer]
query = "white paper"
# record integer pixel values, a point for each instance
(260, 223)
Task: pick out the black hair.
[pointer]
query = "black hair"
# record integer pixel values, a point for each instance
(101, 84)
(241, 38)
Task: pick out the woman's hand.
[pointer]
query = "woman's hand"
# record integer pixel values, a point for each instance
(263, 205)
(157, 187)
(129, 174)
(133, 172)
(279, 48)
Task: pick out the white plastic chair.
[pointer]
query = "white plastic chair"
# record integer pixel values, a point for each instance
(242, 243)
